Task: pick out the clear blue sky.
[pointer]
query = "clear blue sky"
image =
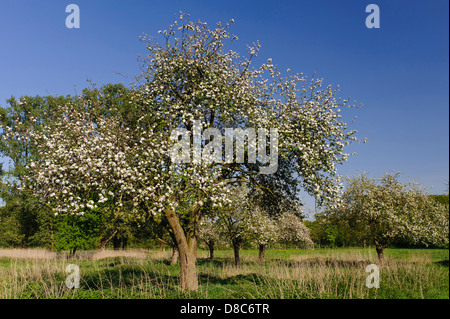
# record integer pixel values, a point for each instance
(399, 71)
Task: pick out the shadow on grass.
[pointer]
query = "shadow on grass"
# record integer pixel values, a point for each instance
(159, 273)
(216, 262)
(229, 280)
(310, 262)
(331, 263)
(443, 263)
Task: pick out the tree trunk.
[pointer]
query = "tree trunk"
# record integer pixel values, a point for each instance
(262, 252)
(188, 271)
(174, 258)
(102, 245)
(211, 251)
(72, 253)
(237, 259)
(380, 246)
(187, 248)
(116, 243)
(380, 254)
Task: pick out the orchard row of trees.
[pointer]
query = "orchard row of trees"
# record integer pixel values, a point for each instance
(27, 224)
(245, 222)
(98, 166)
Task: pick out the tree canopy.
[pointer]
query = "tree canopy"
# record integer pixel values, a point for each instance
(111, 151)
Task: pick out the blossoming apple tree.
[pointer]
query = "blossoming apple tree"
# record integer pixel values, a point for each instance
(386, 209)
(211, 234)
(292, 230)
(191, 77)
(90, 161)
(261, 229)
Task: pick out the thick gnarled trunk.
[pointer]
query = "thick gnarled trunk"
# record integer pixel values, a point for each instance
(188, 271)
(187, 251)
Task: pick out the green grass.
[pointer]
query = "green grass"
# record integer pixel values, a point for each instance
(324, 273)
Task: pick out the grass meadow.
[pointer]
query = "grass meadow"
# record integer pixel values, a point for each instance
(286, 274)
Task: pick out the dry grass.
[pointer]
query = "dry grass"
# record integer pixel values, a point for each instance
(44, 254)
(27, 253)
(122, 253)
(37, 277)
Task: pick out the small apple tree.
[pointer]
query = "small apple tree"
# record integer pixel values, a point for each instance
(211, 233)
(292, 230)
(261, 229)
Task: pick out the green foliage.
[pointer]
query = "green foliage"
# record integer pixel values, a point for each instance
(78, 232)
(113, 100)
(10, 235)
(332, 233)
(443, 199)
(25, 224)
(327, 231)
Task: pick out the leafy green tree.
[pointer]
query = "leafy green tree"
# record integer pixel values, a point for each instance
(78, 232)
(28, 221)
(332, 234)
(443, 199)
(10, 235)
